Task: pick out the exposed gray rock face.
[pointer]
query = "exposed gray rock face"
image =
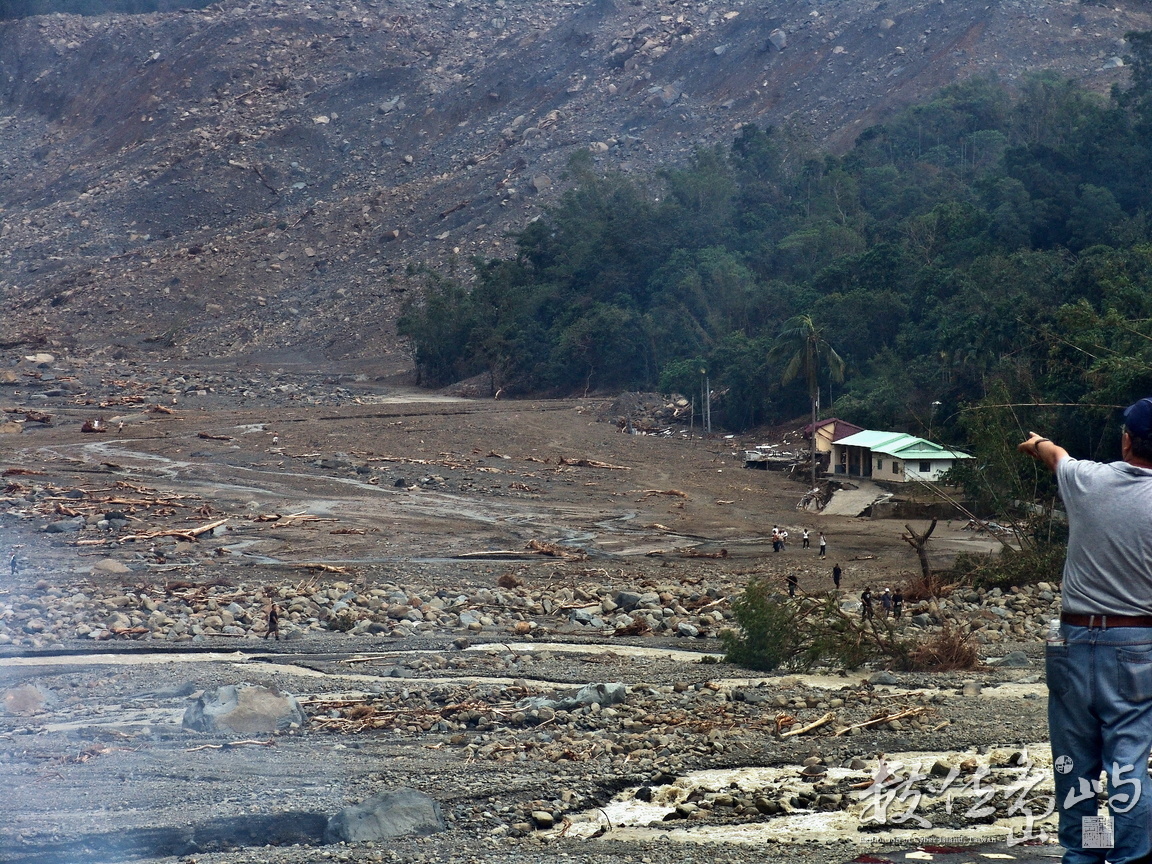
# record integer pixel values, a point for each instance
(243, 709)
(394, 813)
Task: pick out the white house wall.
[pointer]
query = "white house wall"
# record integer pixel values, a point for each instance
(939, 467)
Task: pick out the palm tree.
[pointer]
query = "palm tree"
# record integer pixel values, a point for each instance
(804, 350)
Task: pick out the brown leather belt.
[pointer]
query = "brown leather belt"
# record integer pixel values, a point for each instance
(1106, 622)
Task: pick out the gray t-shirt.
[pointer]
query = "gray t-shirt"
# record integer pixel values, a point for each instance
(1108, 570)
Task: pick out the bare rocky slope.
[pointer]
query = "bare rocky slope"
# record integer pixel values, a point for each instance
(256, 178)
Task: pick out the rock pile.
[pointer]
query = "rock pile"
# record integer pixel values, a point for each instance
(1020, 614)
(183, 612)
(658, 732)
(650, 413)
(648, 726)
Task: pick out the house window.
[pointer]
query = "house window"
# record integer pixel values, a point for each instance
(879, 464)
(925, 467)
(895, 467)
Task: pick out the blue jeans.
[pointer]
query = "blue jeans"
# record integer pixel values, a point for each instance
(1100, 718)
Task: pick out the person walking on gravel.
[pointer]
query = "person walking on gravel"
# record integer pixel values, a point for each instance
(273, 622)
(836, 574)
(823, 545)
(1099, 662)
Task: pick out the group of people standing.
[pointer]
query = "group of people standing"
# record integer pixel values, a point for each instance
(780, 538)
(891, 603)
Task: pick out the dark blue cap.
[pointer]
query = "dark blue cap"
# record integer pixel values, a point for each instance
(1138, 418)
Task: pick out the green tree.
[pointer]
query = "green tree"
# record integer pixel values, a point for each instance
(441, 322)
(738, 366)
(683, 376)
(806, 351)
(771, 629)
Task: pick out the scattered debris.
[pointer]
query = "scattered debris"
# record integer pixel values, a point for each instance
(555, 550)
(591, 463)
(672, 492)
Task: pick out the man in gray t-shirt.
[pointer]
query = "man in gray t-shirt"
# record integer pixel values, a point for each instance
(1108, 569)
(1099, 669)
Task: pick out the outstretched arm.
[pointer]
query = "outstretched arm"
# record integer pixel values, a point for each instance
(1042, 450)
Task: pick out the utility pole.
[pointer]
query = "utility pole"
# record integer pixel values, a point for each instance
(705, 404)
(707, 396)
(812, 440)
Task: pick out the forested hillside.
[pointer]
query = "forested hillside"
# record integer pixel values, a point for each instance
(988, 244)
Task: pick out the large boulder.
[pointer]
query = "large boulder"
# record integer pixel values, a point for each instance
(1015, 660)
(110, 566)
(65, 526)
(599, 693)
(25, 700)
(393, 813)
(628, 600)
(244, 710)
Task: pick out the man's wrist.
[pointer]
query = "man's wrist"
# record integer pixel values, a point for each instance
(1036, 445)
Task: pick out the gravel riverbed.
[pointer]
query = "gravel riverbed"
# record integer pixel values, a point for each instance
(450, 575)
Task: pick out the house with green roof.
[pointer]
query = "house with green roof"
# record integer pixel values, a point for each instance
(892, 456)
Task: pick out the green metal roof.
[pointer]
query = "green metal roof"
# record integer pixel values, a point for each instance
(872, 439)
(913, 453)
(900, 446)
